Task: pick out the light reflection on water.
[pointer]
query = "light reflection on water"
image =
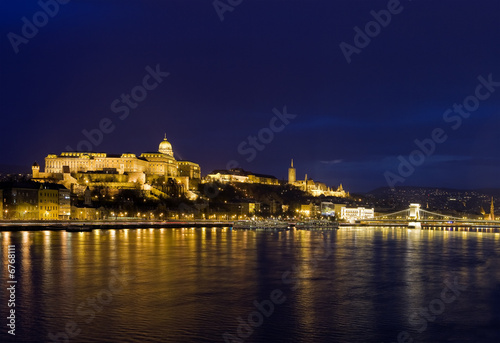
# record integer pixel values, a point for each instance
(193, 285)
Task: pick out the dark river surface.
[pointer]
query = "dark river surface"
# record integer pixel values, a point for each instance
(222, 285)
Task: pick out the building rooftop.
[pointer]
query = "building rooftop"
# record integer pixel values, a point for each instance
(241, 172)
(30, 185)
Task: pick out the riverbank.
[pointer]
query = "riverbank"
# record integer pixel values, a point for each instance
(117, 224)
(112, 224)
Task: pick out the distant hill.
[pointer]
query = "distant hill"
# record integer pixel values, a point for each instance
(494, 192)
(435, 199)
(14, 169)
(387, 190)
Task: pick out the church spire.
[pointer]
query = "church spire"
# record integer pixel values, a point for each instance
(492, 210)
(291, 174)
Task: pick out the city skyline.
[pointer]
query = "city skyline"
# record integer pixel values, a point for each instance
(307, 82)
(250, 170)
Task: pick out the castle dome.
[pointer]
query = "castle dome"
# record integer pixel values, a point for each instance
(165, 147)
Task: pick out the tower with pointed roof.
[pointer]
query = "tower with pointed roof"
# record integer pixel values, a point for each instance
(291, 174)
(492, 210)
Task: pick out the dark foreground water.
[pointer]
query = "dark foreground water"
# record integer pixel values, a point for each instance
(222, 285)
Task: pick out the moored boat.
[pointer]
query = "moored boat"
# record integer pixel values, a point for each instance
(76, 228)
(317, 225)
(260, 224)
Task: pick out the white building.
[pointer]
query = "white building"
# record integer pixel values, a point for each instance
(353, 214)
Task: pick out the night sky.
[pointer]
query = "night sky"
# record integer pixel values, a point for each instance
(348, 122)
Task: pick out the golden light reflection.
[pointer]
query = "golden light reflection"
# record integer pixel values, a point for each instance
(25, 237)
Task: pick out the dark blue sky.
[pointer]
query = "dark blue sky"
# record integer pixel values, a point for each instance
(352, 120)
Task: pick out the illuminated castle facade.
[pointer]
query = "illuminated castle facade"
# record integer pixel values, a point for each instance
(240, 175)
(312, 187)
(79, 170)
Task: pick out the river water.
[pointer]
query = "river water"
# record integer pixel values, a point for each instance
(222, 285)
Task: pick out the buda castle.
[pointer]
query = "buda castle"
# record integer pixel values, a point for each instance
(81, 170)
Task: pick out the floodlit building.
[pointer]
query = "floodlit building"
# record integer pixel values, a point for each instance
(79, 170)
(48, 202)
(330, 209)
(64, 203)
(240, 175)
(20, 201)
(313, 187)
(34, 201)
(309, 210)
(245, 208)
(359, 213)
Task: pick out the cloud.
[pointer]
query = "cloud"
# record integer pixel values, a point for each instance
(331, 162)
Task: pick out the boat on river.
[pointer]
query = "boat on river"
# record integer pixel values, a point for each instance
(78, 228)
(283, 225)
(260, 224)
(317, 225)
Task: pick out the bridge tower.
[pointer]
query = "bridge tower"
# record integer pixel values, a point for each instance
(414, 212)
